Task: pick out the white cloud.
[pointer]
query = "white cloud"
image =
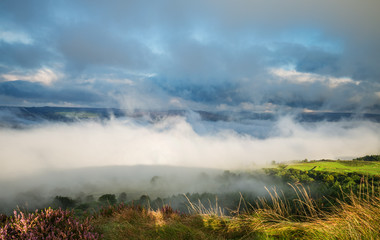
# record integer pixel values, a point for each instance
(176, 102)
(15, 37)
(43, 75)
(125, 81)
(293, 76)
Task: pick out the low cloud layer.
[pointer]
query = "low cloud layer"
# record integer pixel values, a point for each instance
(179, 142)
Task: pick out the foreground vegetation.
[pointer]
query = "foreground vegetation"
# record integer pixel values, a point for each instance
(304, 201)
(357, 218)
(46, 224)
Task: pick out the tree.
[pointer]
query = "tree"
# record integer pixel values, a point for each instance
(155, 180)
(89, 198)
(63, 202)
(122, 197)
(369, 158)
(108, 199)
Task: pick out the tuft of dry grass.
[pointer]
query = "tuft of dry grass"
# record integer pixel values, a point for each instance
(355, 217)
(200, 209)
(140, 223)
(359, 219)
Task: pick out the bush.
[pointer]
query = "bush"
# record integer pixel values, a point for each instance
(122, 197)
(47, 224)
(63, 202)
(3, 219)
(108, 199)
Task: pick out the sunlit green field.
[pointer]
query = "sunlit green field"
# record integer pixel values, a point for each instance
(364, 167)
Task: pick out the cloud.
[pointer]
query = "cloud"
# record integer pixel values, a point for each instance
(44, 75)
(15, 37)
(98, 46)
(204, 53)
(302, 77)
(179, 142)
(25, 56)
(20, 92)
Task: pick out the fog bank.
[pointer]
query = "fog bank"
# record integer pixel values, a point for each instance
(178, 141)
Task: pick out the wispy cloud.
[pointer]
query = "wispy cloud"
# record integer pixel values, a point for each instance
(302, 77)
(44, 75)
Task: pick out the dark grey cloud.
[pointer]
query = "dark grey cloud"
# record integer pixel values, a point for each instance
(100, 47)
(20, 55)
(19, 91)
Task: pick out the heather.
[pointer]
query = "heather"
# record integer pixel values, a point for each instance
(46, 224)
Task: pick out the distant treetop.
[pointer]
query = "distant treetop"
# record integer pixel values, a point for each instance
(369, 158)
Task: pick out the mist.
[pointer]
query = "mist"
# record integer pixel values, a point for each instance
(162, 156)
(180, 141)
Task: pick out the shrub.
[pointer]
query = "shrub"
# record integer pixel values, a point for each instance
(47, 224)
(63, 202)
(167, 210)
(109, 210)
(3, 219)
(108, 199)
(122, 197)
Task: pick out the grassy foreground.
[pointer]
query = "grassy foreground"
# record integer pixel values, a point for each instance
(358, 217)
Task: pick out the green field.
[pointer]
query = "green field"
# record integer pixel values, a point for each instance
(364, 167)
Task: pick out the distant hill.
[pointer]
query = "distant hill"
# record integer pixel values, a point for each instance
(19, 117)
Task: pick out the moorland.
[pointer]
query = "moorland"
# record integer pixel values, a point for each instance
(319, 199)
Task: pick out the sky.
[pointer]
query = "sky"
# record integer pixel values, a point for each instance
(243, 55)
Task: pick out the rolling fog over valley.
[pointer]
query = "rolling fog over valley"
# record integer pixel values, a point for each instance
(72, 138)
